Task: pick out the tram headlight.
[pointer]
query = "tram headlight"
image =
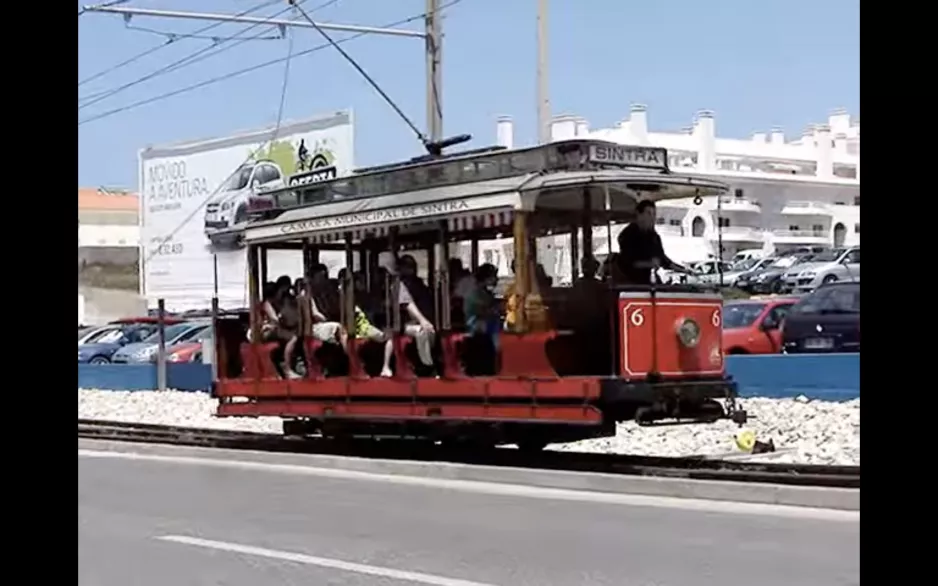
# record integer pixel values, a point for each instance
(688, 332)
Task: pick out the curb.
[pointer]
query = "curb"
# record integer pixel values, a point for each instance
(711, 490)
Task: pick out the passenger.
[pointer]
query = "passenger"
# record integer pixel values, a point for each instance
(461, 283)
(288, 323)
(482, 306)
(365, 328)
(641, 253)
(377, 298)
(534, 310)
(590, 312)
(316, 324)
(268, 315)
(416, 301)
(325, 307)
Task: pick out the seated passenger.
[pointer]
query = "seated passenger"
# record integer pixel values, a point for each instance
(365, 328)
(416, 301)
(324, 307)
(461, 283)
(534, 310)
(288, 314)
(589, 293)
(482, 306)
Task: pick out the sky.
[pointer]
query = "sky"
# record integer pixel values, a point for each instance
(784, 63)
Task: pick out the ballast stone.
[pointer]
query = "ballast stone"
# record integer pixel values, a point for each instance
(808, 432)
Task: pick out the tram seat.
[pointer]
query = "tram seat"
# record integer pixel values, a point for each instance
(356, 363)
(403, 366)
(258, 360)
(313, 367)
(451, 343)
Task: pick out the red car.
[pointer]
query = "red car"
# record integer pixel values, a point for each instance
(753, 326)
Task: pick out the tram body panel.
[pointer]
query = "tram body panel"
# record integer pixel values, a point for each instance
(673, 335)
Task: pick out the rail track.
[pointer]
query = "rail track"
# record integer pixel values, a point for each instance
(694, 467)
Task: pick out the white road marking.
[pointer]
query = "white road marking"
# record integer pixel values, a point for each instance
(417, 577)
(495, 488)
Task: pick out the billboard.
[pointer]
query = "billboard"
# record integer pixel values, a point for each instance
(190, 190)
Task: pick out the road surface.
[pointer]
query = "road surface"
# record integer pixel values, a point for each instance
(159, 520)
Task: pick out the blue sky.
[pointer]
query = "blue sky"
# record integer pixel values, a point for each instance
(756, 64)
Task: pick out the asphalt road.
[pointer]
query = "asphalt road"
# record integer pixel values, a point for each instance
(249, 527)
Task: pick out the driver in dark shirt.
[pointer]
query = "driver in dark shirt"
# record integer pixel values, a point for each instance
(640, 248)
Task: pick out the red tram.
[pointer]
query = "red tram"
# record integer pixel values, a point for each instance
(658, 357)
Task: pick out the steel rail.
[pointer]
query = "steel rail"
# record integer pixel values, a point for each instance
(699, 468)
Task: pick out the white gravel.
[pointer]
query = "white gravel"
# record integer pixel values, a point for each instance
(811, 432)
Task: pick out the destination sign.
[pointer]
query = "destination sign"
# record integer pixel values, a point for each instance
(629, 156)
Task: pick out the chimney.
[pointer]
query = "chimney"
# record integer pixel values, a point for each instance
(807, 138)
(582, 128)
(839, 121)
(778, 136)
(825, 159)
(705, 132)
(759, 137)
(505, 132)
(638, 123)
(840, 143)
(563, 128)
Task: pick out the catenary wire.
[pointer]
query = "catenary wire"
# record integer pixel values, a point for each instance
(102, 5)
(152, 50)
(276, 131)
(199, 55)
(246, 70)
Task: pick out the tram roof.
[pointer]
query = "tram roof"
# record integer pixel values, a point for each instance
(486, 203)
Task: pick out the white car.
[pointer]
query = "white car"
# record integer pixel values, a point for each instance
(839, 264)
(230, 207)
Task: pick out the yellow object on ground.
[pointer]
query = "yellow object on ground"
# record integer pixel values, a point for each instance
(746, 440)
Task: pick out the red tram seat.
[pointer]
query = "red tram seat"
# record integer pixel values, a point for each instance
(452, 366)
(402, 366)
(257, 360)
(313, 368)
(355, 364)
(525, 355)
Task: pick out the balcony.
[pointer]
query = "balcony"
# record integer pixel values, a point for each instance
(738, 234)
(807, 208)
(738, 204)
(800, 237)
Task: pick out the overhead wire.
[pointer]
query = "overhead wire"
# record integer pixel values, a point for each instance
(102, 5)
(361, 71)
(246, 70)
(156, 48)
(194, 57)
(276, 131)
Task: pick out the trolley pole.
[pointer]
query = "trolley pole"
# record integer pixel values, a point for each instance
(543, 85)
(434, 42)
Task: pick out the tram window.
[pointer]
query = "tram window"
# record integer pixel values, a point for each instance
(346, 188)
(314, 195)
(524, 162)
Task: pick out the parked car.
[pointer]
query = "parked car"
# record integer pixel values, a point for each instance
(106, 341)
(708, 271)
(746, 269)
(825, 320)
(752, 326)
(188, 351)
(769, 279)
(839, 264)
(143, 351)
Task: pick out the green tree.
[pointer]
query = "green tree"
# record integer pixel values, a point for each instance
(280, 152)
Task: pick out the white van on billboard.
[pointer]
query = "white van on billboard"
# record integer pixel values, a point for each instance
(192, 190)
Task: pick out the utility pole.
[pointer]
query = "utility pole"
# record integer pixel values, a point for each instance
(543, 84)
(434, 41)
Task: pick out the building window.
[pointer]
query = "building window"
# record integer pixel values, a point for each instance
(856, 200)
(660, 221)
(724, 222)
(856, 228)
(794, 228)
(738, 193)
(674, 222)
(817, 229)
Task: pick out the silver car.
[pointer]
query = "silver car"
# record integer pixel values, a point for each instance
(839, 264)
(142, 352)
(231, 205)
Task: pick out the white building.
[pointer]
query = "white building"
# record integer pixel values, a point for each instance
(784, 193)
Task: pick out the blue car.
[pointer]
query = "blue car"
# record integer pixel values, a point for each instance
(141, 352)
(100, 347)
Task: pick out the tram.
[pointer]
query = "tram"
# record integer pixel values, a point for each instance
(656, 358)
